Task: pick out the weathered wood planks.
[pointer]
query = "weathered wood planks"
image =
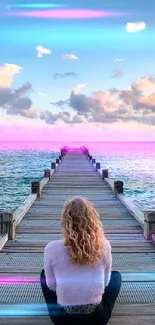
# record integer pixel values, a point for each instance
(132, 254)
(21, 262)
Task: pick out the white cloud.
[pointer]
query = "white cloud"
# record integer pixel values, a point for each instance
(7, 71)
(70, 57)
(119, 60)
(41, 51)
(77, 89)
(135, 27)
(79, 86)
(41, 94)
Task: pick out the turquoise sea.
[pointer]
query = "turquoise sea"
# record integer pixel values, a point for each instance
(24, 162)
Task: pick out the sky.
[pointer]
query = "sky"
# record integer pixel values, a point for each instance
(77, 70)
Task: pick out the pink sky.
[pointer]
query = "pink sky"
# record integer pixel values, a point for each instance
(60, 133)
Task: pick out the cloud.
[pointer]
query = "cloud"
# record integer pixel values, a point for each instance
(60, 103)
(135, 27)
(66, 117)
(111, 106)
(17, 102)
(80, 102)
(7, 71)
(119, 60)
(41, 94)
(19, 105)
(113, 91)
(41, 51)
(5, 95)
(140, 96)
(64, 75)
(70, 57)
(95, 108)
(77, 89)
(145, 82)
(117, 73)
(26, 87)
(51, 118)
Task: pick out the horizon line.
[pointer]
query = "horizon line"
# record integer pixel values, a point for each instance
(77, 141)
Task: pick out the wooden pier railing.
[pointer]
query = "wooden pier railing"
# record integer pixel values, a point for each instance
(25, 232)
(146, 219)
(10, 220)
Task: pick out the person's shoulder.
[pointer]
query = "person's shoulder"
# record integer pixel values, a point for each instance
(107, 244)
(53, 245)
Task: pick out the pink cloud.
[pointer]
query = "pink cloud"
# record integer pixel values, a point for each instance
(65, 14)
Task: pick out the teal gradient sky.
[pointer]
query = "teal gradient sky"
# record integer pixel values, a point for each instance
(99, 53)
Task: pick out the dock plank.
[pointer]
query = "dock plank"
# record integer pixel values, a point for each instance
(132, 255)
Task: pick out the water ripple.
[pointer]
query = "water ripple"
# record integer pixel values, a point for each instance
(131, 162)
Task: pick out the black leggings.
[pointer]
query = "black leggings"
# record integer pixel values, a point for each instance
(100, 316)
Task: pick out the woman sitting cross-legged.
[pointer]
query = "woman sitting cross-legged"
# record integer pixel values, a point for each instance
(77, 283)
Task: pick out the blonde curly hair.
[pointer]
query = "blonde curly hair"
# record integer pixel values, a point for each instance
(82, 232)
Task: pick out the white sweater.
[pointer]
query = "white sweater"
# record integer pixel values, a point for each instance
(74, 284)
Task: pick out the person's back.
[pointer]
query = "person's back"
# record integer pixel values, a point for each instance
(75, 284)
(77, 268)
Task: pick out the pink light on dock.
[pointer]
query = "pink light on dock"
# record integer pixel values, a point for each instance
(18, 280)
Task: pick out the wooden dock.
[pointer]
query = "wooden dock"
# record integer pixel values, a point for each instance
(37, 222)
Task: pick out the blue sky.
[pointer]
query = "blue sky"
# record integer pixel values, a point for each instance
(100, 46)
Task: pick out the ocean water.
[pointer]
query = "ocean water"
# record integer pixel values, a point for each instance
(24, 162)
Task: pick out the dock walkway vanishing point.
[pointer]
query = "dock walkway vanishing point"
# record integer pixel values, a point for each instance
(26, 231)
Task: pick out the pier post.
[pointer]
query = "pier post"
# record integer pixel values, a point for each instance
(7, 224)
(93, 161)
(53, 165)
(98, 166)
(47, 173)
(85, 151)
(63, 150)
(149, 224)
(36, 188)
(90, 157)
(118, 187)
(57, 161)
(60, 158)
(104, 173)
